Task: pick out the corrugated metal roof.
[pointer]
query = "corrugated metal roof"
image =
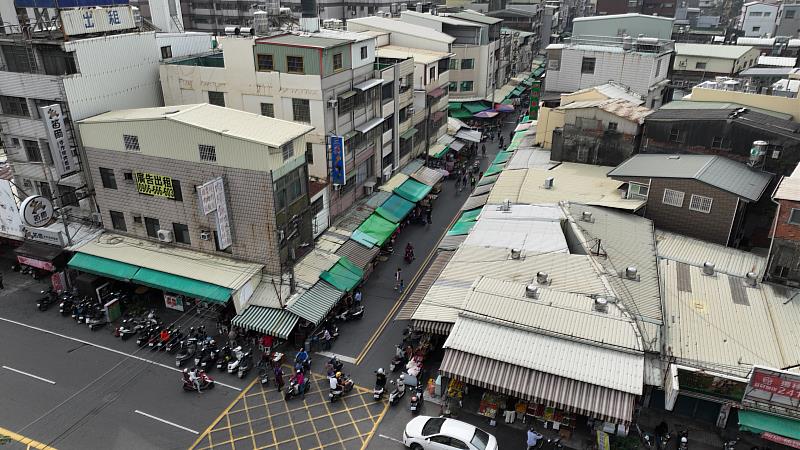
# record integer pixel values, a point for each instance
(552, 355)
(427, 176)
(420, 56)
(360, 255)
(696, 252)
(304, 41)
(186, 263)
(784, 307)
(412, 166)
(377, 199)
(475, 201)
(618, 107)
(776, 61)
(717, 171)
(581, 183)
(712, 51)
(225, 121)
(766, 71)
(270, 293)
(611, 90)
(394, 182)
(529, 235)
(788, 189)
(272, 321)
(330, 241)
(396, 26)
(688, 110)
(477, 17)
(356, 215)
(308, 269)
(443, 19)
(423, 286)
(451, 242)
(316, 302)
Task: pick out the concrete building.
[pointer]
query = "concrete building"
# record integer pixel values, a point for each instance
(587, 61)
(328, 80)
(695, 63)
(527, 20)
(522, 49)
(156, 192)
(618, 25)
(700, 196)
(783, 252)
(84, 75)
(757, 19)
(788, 20)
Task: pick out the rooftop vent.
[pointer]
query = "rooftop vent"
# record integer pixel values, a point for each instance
(542, 278)
(601, 305)
(506, 205)
(751, 279)
(708, 268)
(532, 291)
(586, 216)
(632, 273)
(548, 182)
(516, 253)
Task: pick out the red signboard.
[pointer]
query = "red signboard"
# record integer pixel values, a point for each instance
(777, 385)
(59, 282)
(44, 265)
(781, 440)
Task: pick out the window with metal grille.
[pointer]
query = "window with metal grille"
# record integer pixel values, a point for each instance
(107, 178)
(453, 64)
(19, 58)
(14, 106)
(288, 150)
(673, 198)
(794, 216)
(294, 64)
(674, 134)
(301, 112)
(466, 86)
(612, 126)
(364, 52)
(587, 65)
(32, 151)
(131, 142)
(166, 52)
(700, 203)
(118, 220)
(266, 63)
(309, 153)
(467, 64)
(207, 153)
(452, 86)
(216, 98)
(432, 74)
(181, 232)
(338, 63)
(268, 109)
(716, 142)
(152, 226)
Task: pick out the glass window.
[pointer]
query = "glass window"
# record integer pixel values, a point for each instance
(166, 52)
(637, 191)
(301, 111)
(480, 440)
(108, 178)
(453, 86)
(294, 64)
(432, 74)
(441, 439)
(19, 58)
(309, 153)
(455, 443)
(674, 134)
(152, 226)
(453, 64)
(32, 151)
(14, 106)
(216, 98)
(118, 221)
(207, 153)
(44, 190)
(755, 14)
(716, 142)
(658, 68)
(673, 198)
(363, 52)
(789, 14)
(181, 233)
(794, 216)
(700, 203)
(467, 64)
(466, 86)
(612, 126)
(700, 65)
(432, 426)
(265, 63)
(337, 61)
(288, 151)
(131, 142)
(268, 109)
(57, 62)
(587, 65)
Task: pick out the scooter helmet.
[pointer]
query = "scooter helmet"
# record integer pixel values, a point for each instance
(212, 342)
(684, 440)
(402, 377)
(380, 370)
(186, 371)
(299, 371)
(338, 374)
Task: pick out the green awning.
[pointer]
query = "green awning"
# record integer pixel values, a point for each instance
(493, 169)
(363, 239)
(538, 72)
(103, 266)
(395, 208)
(182, 285)
(460, 113)
(409, 133)
(476, 107)
(507, 101)
(491, 179)
(757, 422)
(471, 215)
(344, 275)
(314, 304)
(454, 105)
(517, 91)
(412, 190)
(272, 321)
(377, 228)
(527, 82)
(502, 157)
(460, 228)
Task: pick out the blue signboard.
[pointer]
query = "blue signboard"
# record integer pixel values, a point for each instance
(67, 3)
(338, 174)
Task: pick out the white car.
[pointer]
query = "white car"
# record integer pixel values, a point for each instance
(439, 433)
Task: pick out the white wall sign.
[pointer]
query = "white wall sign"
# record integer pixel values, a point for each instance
(208, 198)
(46, 236)
(65, 161)
(36, 211)
(224, 237)
(10, 221)
(97, 20)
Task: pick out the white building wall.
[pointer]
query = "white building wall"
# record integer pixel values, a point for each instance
(624, 126)
(758, 19)
(184, 44)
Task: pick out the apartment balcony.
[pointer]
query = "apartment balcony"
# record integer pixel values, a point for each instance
(387, 109)
(406, 96)
(387, 137)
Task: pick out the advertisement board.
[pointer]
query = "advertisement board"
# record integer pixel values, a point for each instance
(97, 20)
(224, 236)
(155, 185)
(64, 159)
(36, 211)
(773, 390)
(708, 384)
(10, 220)
(208, 198)
(44, 265)
(338, 170)
(174, 302)
(46, 236)
(60, 4)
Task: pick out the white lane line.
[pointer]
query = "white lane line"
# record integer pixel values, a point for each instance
(390, 438)
(101, 347)
(29, 375)
(166, 422)
(343, 358)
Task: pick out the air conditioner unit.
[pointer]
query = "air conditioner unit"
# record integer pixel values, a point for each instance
(97, 218)
(205, 235)
(165, 236)
(368, 189)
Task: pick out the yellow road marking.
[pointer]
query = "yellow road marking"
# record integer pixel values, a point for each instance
(403, 296)
(30, 443)
(375, 427)
(222, 414)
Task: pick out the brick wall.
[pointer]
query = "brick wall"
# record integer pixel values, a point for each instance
(249, 194)
(784, 229)
(713, 227)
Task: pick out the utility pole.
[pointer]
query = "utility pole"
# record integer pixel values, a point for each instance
(59, 204)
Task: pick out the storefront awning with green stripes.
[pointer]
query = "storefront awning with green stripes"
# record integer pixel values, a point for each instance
(487, 179)
(344, 275)
(314, 304)
(103, 266)
(502, 157)
(493, 169)
(377, 229)
(460, 113)
(272, 321)
(538, 72)
(758, 422)
(471, 215)
(517, 91)
(476, 107)
(395, 208)
(181, 285)
(412, 190)
(460, 228)
(409, 133)
(454, 105)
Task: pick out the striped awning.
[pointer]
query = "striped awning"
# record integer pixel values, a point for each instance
(315, 303)
(272, 321)
(475, 201)
(359, 254)
(432, 327)
(424, 285)
(575, 396)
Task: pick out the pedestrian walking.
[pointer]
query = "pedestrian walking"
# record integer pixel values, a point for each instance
(510, 135)
(501, 141)
(533, 438)
(464, 180)
(1, 282)
(326, 339)
(232, 337)
(491, 136)
(483, 150)
(279, 377)
(397, 275)
(357, 297)
(429, 214)
(402, 285)
(472, 181)
(458, 183)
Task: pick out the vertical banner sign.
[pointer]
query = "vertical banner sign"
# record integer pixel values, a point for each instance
(63, 158)
(338, 174)
(208, 198)
(536, 89)
(223, 223)
(59, 281)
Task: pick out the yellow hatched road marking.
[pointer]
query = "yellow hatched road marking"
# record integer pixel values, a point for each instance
(30, 443)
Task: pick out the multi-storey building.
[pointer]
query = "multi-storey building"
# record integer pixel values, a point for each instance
(636, 25)
(788, 20)
(695, 63)
(84, 75)
(757, 19)
(526, 19)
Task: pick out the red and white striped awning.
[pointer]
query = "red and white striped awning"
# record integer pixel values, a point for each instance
(570, 395)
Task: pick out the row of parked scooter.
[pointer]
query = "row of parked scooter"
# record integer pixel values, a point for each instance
(84, 310)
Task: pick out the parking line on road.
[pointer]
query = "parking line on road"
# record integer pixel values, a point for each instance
(101, 347)
(347, 359)
(29, 375)
(390, 438)
(166, 422)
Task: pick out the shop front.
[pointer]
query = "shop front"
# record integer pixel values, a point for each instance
(43, 258)
(771, 406)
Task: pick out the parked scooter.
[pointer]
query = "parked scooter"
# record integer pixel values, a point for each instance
(399, 390)
(225, 357)
(415, 403)
(66, 305)
(233, 364)
(174, 341)
(683, 440)
(48, 298)
(96, 320)
(263, 372)
(399, 359)
(354, 313)
(187, 351)
(245, 363)
(730, 445)
(334, 365)
(380, 384)
(206, 382)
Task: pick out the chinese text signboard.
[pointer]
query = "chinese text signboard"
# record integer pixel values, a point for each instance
(773, 390)
(97, 20)
(208, 198)
(224, 238)
(63, 157)
(338, 173)
(155, 185)
(710, 384)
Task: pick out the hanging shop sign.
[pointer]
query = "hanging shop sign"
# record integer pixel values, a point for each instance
(59, 282)
(774, 391)
(36, 211)
(208, 199)
(155, 185)
(173, 302)
(64, 159)
(338, 170)
(44, 235)
(44, 265)
(224, 237)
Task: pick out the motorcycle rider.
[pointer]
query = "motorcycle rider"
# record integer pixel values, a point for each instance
(301, 359)
(409, 252)
(300, 380)
(380, 378)
(194, 377)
